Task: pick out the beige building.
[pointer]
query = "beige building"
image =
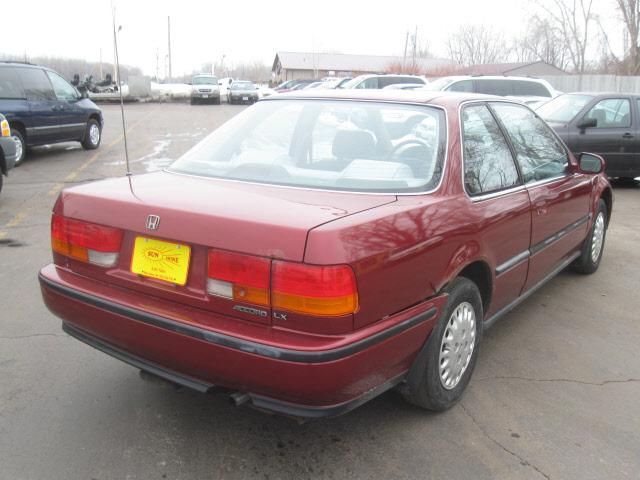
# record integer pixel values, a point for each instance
(300, 65)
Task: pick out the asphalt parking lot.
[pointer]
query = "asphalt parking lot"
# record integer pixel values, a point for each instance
(556, 393)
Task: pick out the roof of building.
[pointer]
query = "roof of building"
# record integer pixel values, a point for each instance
(506, 68)
(342, 62)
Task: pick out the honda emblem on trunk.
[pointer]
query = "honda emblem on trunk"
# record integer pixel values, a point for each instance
(153, 222)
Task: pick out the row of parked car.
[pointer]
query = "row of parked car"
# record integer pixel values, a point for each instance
(606, 124)
(41, 107)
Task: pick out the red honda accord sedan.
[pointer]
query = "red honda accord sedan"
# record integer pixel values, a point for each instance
(318, 250)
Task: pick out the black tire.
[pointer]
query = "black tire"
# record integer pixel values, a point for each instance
(192, 101)
(17, 134)
(423, 386)
(89, 142)
(0, 181)
(585, 263)
(216, 101)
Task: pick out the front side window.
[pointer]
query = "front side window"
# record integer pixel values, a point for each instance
(461, 86)
(539, 153)
(61, 87)
(488, 163)
(326, 144)
(564, 108)
(368, 83)
(36, 84)
(611, 113)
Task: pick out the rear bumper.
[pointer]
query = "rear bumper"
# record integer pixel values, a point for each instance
(299, 381)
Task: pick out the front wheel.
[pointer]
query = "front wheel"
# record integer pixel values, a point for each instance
(21, 146)
(444, 366)
(92, 135)
(591, 253)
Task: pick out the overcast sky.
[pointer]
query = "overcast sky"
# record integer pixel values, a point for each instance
(247, 30)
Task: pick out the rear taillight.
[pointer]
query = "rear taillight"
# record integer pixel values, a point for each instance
(314, 290)
(85, 241)
(286, 286)
(239, 277)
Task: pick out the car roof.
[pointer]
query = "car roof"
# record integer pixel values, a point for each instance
(604, 94)
(389, 95)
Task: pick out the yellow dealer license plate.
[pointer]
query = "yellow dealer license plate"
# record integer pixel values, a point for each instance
(162, 260)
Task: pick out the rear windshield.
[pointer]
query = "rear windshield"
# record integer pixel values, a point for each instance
(205, 81)
(326, 144)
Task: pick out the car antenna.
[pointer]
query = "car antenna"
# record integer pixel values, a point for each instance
(115, 46)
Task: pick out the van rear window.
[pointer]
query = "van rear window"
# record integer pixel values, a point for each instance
(10, 87)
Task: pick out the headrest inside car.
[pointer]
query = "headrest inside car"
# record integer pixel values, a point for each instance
(353, 144)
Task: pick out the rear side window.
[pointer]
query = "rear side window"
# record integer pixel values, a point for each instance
(488, 163)
(494, 86)
(9, 84)
(539, 153)
(36, 84)
(527, 88)
(461, 86)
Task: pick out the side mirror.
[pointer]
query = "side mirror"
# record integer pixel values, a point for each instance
(591, 163)
(588, 123)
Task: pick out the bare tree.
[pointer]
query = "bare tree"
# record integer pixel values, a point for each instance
(477, 44)
(572, 19)
(542, 40)
(630, 12)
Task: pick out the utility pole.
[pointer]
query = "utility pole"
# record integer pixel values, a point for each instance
(169, 43)
(406, 43)
(415, 45)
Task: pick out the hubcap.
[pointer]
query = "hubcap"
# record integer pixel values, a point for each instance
(598, 237)
(94, 134)
(18, 148)
(457, 345)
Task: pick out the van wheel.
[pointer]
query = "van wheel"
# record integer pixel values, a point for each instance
(92, 135)
(591, 253)
(444, 366)
(21, 146)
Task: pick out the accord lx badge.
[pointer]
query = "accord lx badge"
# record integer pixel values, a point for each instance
(153, 222)
(250, 311)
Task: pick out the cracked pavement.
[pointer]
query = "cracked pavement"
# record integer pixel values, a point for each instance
(555, 393)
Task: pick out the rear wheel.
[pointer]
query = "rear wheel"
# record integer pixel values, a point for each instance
(591, 253)
(92, 135)
(444, 366)
(21, 146)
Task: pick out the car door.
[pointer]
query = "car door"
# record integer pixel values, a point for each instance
(614, 136)
(43, 105)
(72, 119)
(559, 195)
(498, 200)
